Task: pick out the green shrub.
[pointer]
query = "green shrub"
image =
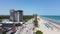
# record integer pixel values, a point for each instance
(33, 28)
(39, 32)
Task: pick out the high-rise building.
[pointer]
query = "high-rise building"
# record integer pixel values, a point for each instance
(12, 17)
(16, 15)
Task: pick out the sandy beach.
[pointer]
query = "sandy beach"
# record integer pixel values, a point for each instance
(55, 27)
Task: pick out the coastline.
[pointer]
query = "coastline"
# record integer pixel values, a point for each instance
(44, 29)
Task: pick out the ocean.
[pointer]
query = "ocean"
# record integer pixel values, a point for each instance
(55, 19)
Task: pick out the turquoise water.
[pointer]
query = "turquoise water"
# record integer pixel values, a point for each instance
(55, 19)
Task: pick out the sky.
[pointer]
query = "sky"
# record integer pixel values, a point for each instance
(29, 7)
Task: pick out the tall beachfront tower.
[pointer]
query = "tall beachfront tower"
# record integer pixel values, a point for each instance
(16, 15)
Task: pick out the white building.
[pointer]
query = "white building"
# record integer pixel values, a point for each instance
(16, 16)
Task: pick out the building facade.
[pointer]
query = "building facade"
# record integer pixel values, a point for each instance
(16, 15)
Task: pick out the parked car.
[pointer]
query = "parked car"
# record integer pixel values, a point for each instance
(13, 29)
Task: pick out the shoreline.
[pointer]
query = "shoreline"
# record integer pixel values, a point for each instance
(46, 30)
(52, 22)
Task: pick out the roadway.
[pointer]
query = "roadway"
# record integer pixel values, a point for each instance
(27, 28)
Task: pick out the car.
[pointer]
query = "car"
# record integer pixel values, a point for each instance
(13, 29)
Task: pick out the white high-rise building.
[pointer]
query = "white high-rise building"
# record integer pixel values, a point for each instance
(16, 15)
